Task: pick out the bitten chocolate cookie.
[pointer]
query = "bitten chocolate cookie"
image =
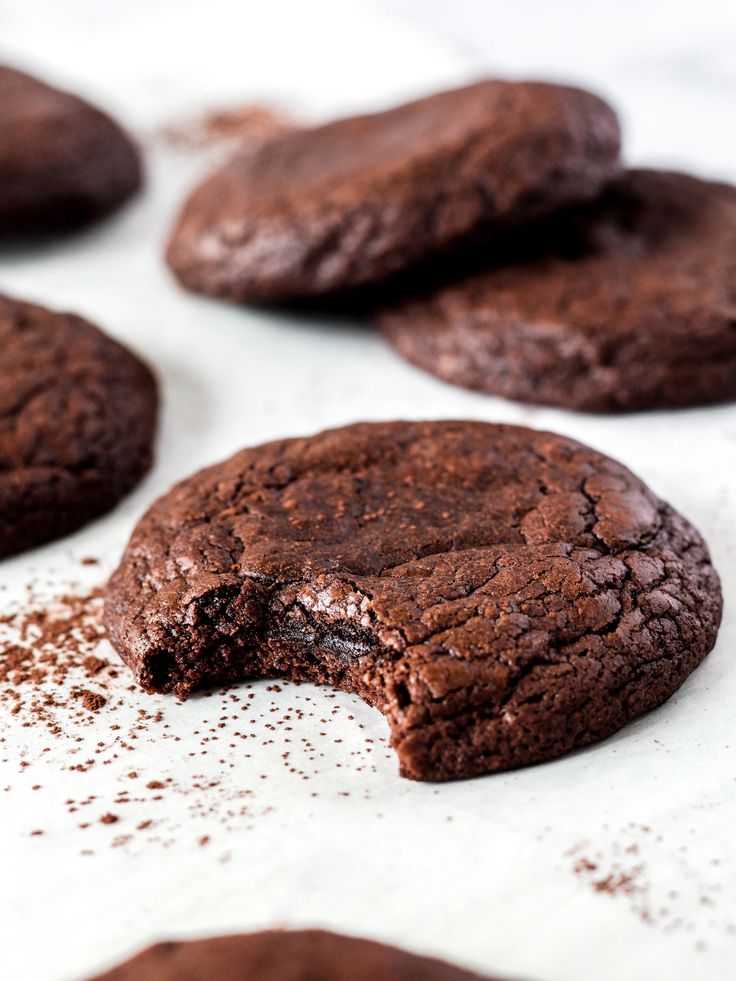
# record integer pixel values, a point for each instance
(283, 955)
(501, 595)
(77, 418)
(626, 304)
(62, 161)
(354, 201)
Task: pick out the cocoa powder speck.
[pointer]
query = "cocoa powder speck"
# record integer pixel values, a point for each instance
(46, 652)
(245, 127)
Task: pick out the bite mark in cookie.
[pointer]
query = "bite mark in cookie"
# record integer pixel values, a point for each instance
(502, 595)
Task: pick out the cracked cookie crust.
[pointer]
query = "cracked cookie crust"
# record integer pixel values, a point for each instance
(77, 419)
(284, 955)
(625, 304)
(502, 595)
(62, 161)
(354, 201)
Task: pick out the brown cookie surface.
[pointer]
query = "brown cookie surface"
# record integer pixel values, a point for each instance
(502, 595)
(77, 419)
(62, 161)
(283, 955)
(351, 202)
(628, 303)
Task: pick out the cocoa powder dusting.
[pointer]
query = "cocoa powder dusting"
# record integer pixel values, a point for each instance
(48, 661)
(62, 685)
(245, 127)
(625, 868)
(67, 704)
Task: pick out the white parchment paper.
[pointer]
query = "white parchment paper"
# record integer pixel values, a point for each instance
(494, 873)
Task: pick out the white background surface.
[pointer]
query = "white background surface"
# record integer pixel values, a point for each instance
(480, 871)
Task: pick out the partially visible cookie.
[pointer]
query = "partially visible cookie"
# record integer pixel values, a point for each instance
(336, 206)
(624, 304)
(502, 595)
(77, 420)
(283, 955)
(63, 162)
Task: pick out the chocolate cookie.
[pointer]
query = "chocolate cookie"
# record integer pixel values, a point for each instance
(62, 161)
(354, 201)
(502, 595)
(625, 304)
(283, 955)
(77, 417)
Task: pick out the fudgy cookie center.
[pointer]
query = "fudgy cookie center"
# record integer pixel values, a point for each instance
(495, 592)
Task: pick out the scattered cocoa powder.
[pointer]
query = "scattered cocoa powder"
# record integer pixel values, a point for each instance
(63, 686)
(93, 701)
(608, 871)
(247, 127)
(618, 883)
(45, 654)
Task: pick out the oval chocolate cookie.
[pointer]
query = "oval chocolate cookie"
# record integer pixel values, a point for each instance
(62, 161)
(502, 595)
(354, 201)
(628, 303)
(283, 955)
(77, 418)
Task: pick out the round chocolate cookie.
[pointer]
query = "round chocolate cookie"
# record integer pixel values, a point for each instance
(333, 207)
(62, 161)
(502, 595)
(283, 955)
(77, 419)
(625, 304)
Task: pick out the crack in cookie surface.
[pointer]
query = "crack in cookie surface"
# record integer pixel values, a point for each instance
(501, 595)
